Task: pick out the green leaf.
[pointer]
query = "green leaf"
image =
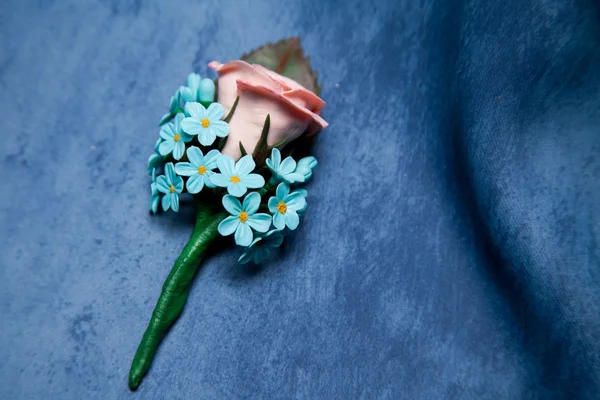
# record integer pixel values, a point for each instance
(286, 57)
(261, 145)
(233, 107)
(243, 150)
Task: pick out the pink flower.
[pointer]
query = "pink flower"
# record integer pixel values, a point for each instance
(293, 109)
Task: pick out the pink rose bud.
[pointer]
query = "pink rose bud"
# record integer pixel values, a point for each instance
(293, 109)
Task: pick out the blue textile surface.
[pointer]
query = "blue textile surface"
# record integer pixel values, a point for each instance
(450, 249)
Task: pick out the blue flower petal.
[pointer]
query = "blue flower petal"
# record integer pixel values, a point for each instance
(174, 202)
(228, 226)
(195, 156)
(295, 201)
(282, 191)
(259, 222)
(219, 128)
(278, 221)
(237, 189)
(294, 177)
(220, 180)
(207, 90)
(177, 122)
(166, 147)
(251, 203)
(287, 166)
(186, 168)
(215, 112)
(154, 201)
(166, 202)
(178, 150)
(195, 110)
(291, 219)
(244, 166)
(170, 173)
(226, 165)
(162, 185)
(195, 184)
(210, 160)
(273, 205)
(167, 131)
(207, 180)
(232, 205)
(178, 185)
(276, 158)
(191, 126)
(253, 181)
(243, 235)
(206, 137)
(193, 81)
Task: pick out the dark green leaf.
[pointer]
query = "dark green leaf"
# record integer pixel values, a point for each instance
(286, 57)
(243, 150)
(233, 107)
(262, 141)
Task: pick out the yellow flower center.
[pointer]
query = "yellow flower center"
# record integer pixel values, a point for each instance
(205, 122)
(177, 137)
(202, 170)
(243, 217)
(172, 189)
(235, 179)
(281, 207)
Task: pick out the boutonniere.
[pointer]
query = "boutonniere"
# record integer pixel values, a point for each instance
(239, 148)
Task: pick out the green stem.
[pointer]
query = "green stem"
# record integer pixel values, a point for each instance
(175, 290)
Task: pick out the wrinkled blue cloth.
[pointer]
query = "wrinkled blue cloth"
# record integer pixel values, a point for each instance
(449, 251)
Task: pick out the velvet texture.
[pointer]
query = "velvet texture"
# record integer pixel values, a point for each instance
(449, 250)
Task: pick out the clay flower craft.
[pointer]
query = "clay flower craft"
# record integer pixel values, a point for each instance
(283, 171)
(171, 185)
(174, 138)
(243, 218)
(260, 248)
(237, 177)
(206, 124)
(199, 169)
(268, 105)
(284, 206)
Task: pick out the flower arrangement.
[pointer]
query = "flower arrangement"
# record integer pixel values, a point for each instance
(234, 150)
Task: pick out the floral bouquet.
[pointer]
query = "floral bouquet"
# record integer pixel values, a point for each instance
(238, 151)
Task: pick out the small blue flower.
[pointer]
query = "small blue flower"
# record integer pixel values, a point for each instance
(199, 169)
(285, 205)
(237, 177)
(206, 123)
(243, 218)
(174, 108)
(171, 185)
(283, 171)
(174, 138)
(260, 248)
(305, 167)
(155, 196)
(197, 89)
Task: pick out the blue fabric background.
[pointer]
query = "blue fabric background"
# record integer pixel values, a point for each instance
(450, 249)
